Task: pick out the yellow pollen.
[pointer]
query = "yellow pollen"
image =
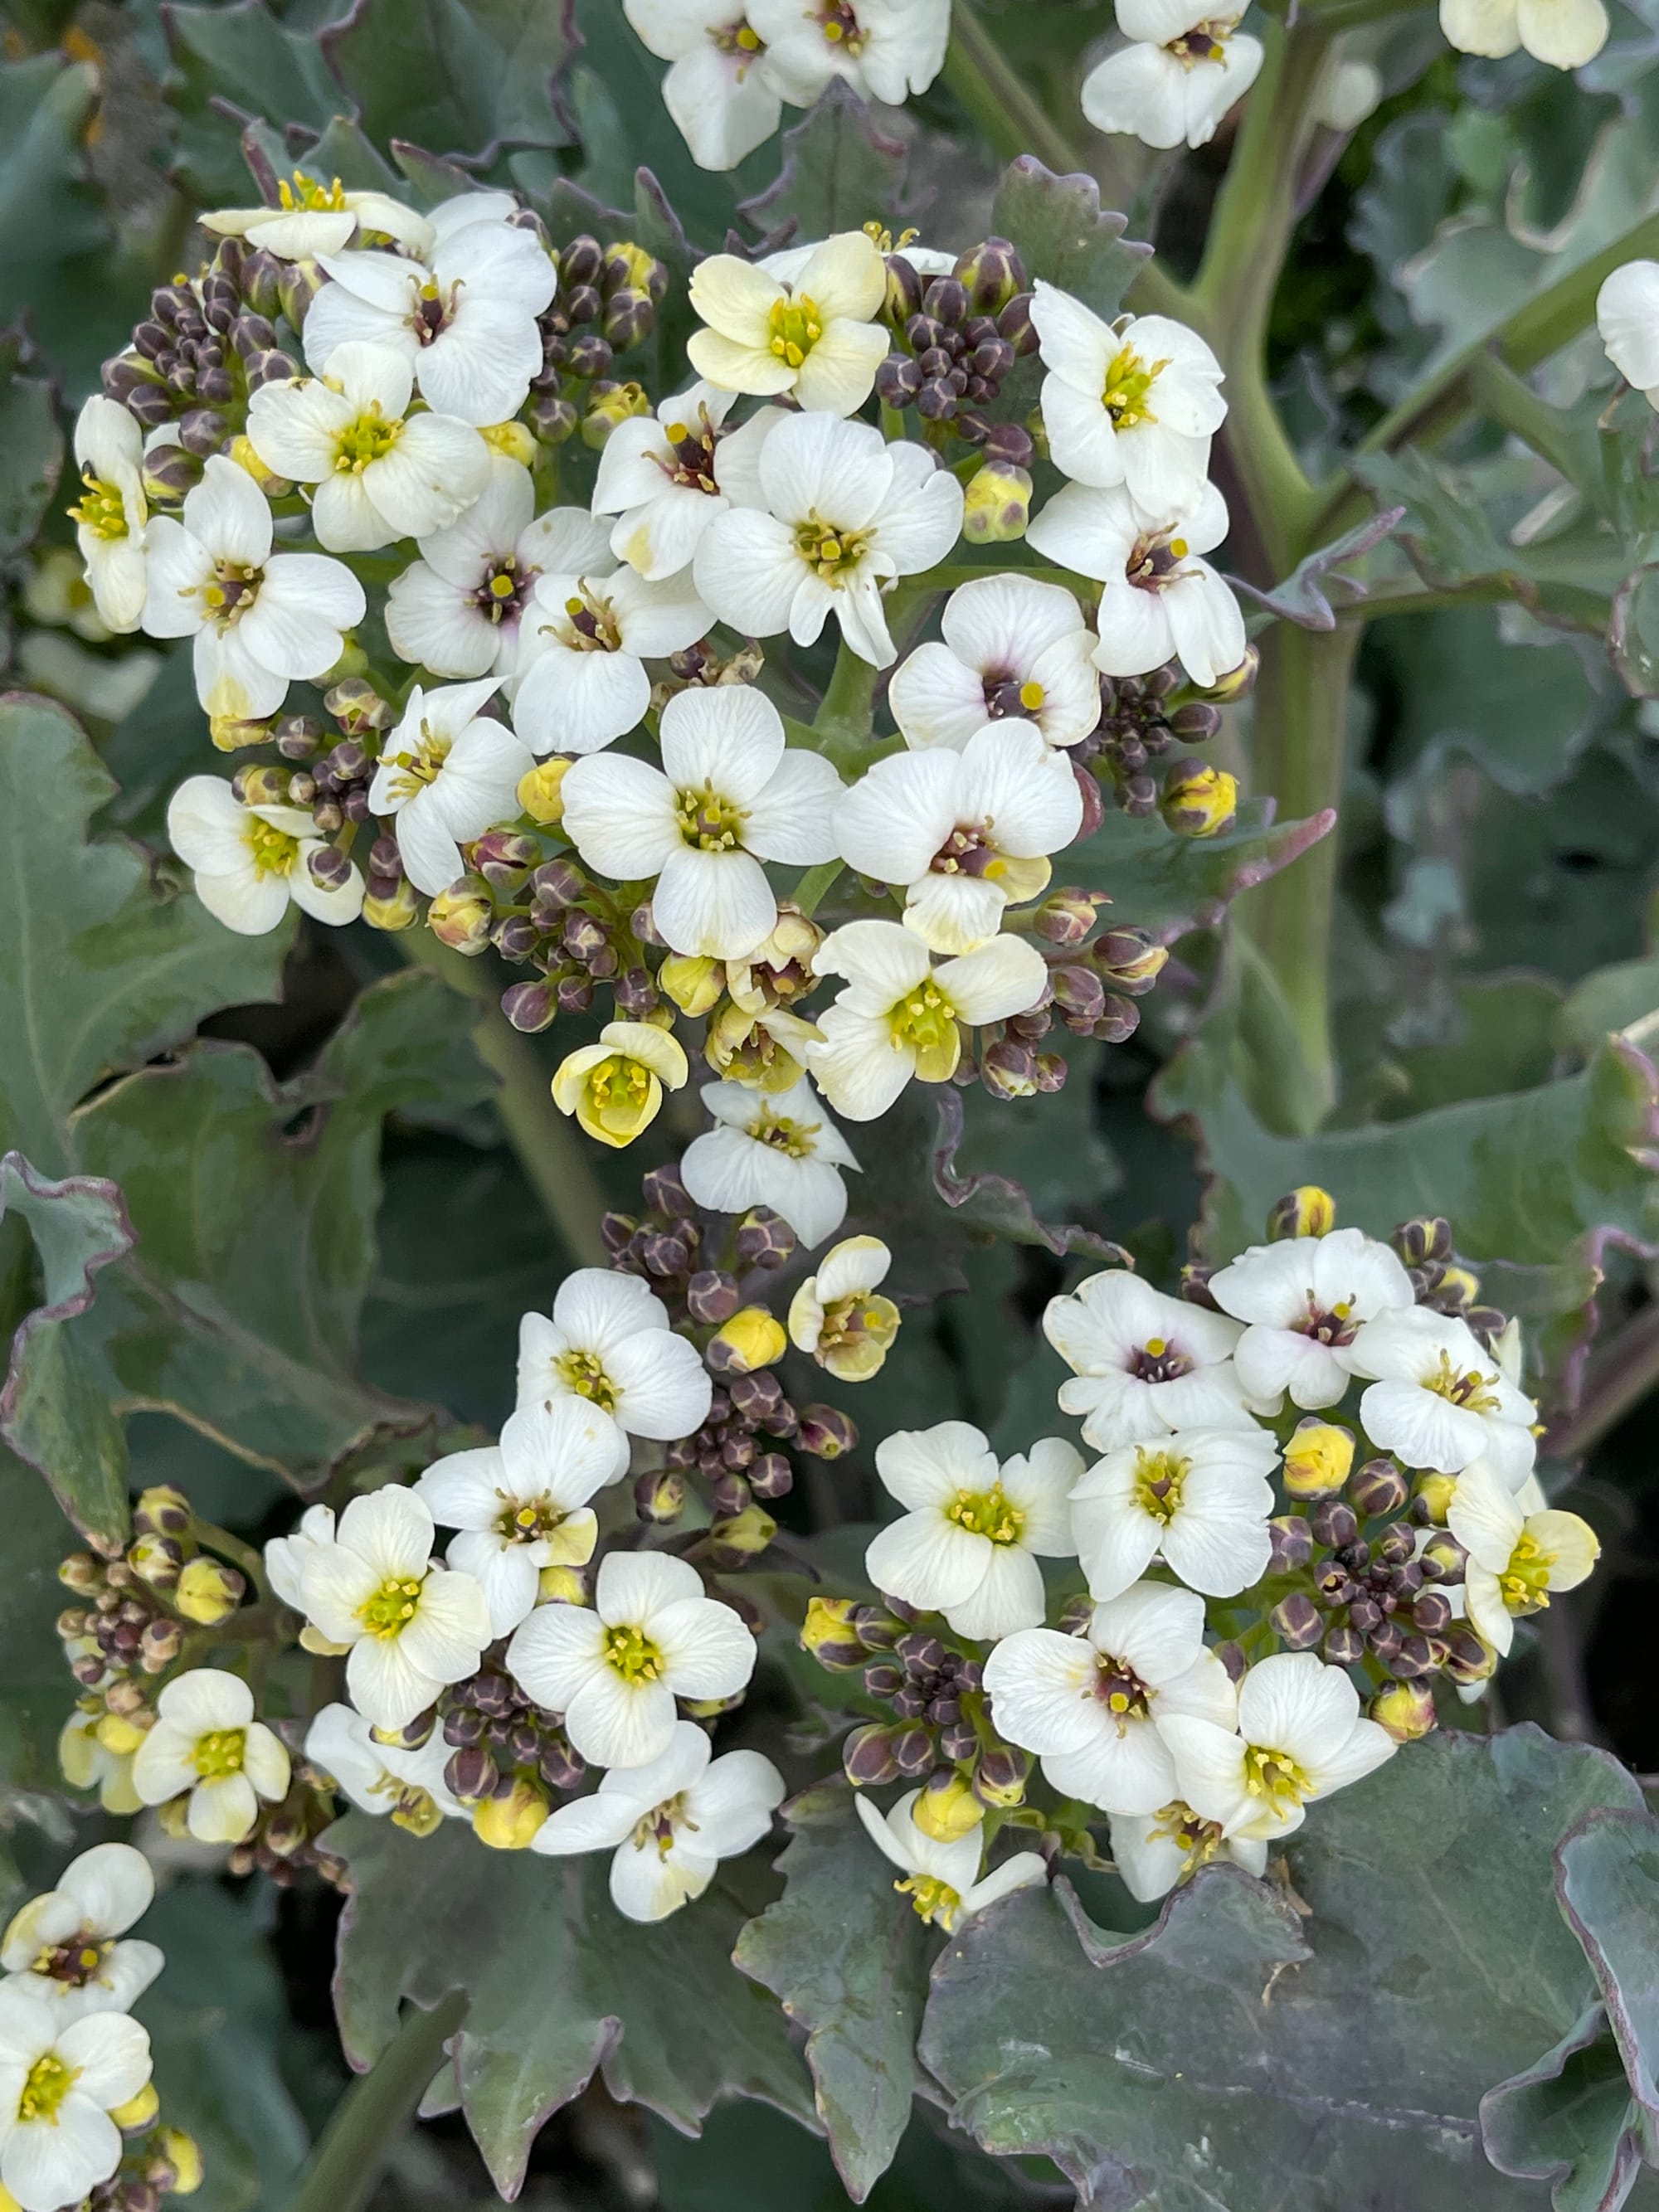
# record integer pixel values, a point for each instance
(1274, 1776)
(1031, 696)
(369, 439)
(796, 327)
(932, 1899)
(305, 197)
(581, 1371)
(709, 822)
(48, 2083)
(1160, 1477)
(1179, 548)
(926, 1021)
(1156, 1347)
(219, 1754)
(103, 511)
(1473, 1390)
(392, 1608)
(1129, 382)
(987, 1513)
(272, 850)
(633, 1654)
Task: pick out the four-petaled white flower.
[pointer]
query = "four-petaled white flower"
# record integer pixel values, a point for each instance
(521, 1504)
(966, 832)
(1135, 403)
(901, 1016)
(1565, 34)
(250, 861)
(1185, 67)
(583, 645)
(1627, 317)
(1012, 646)
(1145, 1364)
(670, 1823)
(286, 1556)
(610, 1341)
(58, 2086)
(464, 316)
(64, 1947)
(884, 49)
(1094, 1707)
(1304, 1301)
(206, 1741)
(719, 91)
(815, 336)
(312, 217)
(614, 1669)
(729, 795)
(1517, 1559)
(460, 609)
(847, 513)
(259, 622)
(409, 1626)
(383, 1777)
(111, 515)
(1299, 1735)
(972, 1532)
(1152, 1852)
(1199, 1500)
(666, 475)
(780, 1150)
(445, 774)
(1159, 600)
(943, 1880)
(1439, 1398)
(838, 1316)
(380, 472)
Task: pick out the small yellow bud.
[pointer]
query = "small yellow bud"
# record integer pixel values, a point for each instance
(750, 1340)
(417, 1813)
(460, 916)
(947, 1809)
(1462, 1284)
(209, 1591)
(183, 2153)
(615, 1087)
(398, 911)
(1238, 681)
(116, 1732)
(138, 2112)
(155, 1560)
(231, 732)
(828, 1634)
(174, 1817)
(749, 1532)
(610, 410)
(509, 1823)
(242, 452)
(513, 441)
(1318, 1459)
(541, 790)
(1201, 802)
(561, 1586)
(1404, 1710)
(693, 982)
(996, 504)
(1437, 1492)
(1306, 1210)
(163, 1509)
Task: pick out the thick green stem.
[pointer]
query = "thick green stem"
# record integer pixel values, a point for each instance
(341, 2171)
(1006, 111)
(549, 1146)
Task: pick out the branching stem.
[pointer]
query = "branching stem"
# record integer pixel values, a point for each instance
(352, 2151)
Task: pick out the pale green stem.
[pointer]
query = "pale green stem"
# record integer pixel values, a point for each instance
(351, 2153)
(550, 1146)
(1008, 111)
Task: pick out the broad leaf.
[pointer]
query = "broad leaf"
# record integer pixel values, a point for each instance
(1001, 1203)
(839, 172)
(457, 76)
(36, 1690)
(239, 62)
(30, 452)
(1607, 1881)
(1568, 2119)
(1063, 234)
(1160, 881)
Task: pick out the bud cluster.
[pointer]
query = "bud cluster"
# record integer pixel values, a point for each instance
(500, 1740)
(1439, 1279)
(157, 2162)
(962, 335)
(133, 1613)
(284, 1840)
(605, 305)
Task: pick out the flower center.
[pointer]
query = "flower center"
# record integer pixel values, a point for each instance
(796, 328)
(931, 1899)
(633, 1654)
(1158, 1360)
(866, 1322)
(581, 1371)
(526, 1521)
(827, 549)
(1337, 1326)
(1009, 694)
(1160, 1477)
(219, 1754)
(926, 1021)
(844, 32)
(103, 511)
(49, 2082)
(1473, 1390)
(232, 592)
(589, 626)
(708, 821)
(505, 589)
(74, 1963)
(1121, 1690)
(1155, 562)
(783, 1135)
(1198, 1840)
(619, 1086)
(272, 851)
(369, 439)
(984, 1512)
(737, 38)
(968, 851)
(692, 450)
(392, 1608)
(1275, 1776)
(1129, 382)
(432, 310)
(658, 1825)
(419, 763)
(304, 196)
(1525, 1582)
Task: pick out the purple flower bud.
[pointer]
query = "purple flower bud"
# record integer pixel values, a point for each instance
(665, 1194)
(771, 1475)
(1298, 1622)
(471, 1773)
(867, 1757)
(1378, 1487)
(1343, 1646)
(1292, 1543)
(764, 1239)
(1334, 1522)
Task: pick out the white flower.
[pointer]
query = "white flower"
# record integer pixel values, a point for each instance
(258, 621)
(1135, 403)
(62, 1946)
(884, 49)
(1145, 1365)
(966, 832)
(610, 1342)
(1627, 316)
(1517, 1557)
(847, 513)
(1348, 91)
(409, 1626)
(1200, 1500)
(837, 1317)
(311, 218)
(1094, 1707)
(446, 773)
(383, 1777)
(815, 337)
(1565, 34)
(901, 1016)
(286, 1556)
(1185, 69)
(582, 648)
(111, 516)
(614, 1669)
(1299, 1737)
(719, 91)
(670, 1822)
(206, 1741)
(1439, 1398)
(381, 473)
(522, 1505)
(1159, 600)
(1012, 646)
(942, 1881)
(1152, 1852)
(781, 1151)
(58, 2085)
(1304, 1300)
(972, 1533)
(250, 861)
(87, 1763)
(460, 609)
(464, 317)
(666, 475)
(729, 795)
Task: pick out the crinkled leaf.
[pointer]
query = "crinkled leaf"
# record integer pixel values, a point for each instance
(460, 76)
(1568, 2119)
(52, 221)
(36, 1690)
(989, 1200)
(31, 453)
(234, 65)
(1302, 597)
(1161, 882)
(1607, 1882)
(839, 172)
(1063, 234)
(560, 1986)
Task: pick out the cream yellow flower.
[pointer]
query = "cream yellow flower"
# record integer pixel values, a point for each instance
(615, 1087)
(837, 1315)
(816, 336)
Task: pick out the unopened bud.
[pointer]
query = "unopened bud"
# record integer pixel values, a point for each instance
(765, 1239)
(209, 1591)
(1066, 915)
(162, 1511)
(1432, 1496)
(744, 1535)
(770, 1475)
(825, 1432)
(1378, 1488)
(1334, 1523)
(867, 1757)
(990, 275)
(504, 858)
(1431, 1612)
(169, 471)
(540, 792)
(119, 1733)
(396, 908)
(1317, 1460)
(830, 1634)
(752, 1339)
(184, 2156)
(1131, 959)
(712, 1295)
(1238, 683)
(159, 1645)
(1298, 1622)
(1442, 1559)
(660, 1497)
(1344, 1645)
(1424, 1242)
(460, 916)
(695, 982)
(138, 2112)
(1001, 1775)
(562, 1586)
(947, 1809)
(1469, 1657)
(509, 1823)
(1404, 1710)
(1201, 801)
(156, 1560)
(1305, 1212)
(996, 504)
(471, 1773)
(607, 410)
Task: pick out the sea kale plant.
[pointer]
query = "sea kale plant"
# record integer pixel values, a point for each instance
(827, 1142)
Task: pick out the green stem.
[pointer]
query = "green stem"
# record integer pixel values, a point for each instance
(245, 1556)
(1509, 400)
(549, 1146)
(342, 2171)
(811, 889)
(999, 101)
